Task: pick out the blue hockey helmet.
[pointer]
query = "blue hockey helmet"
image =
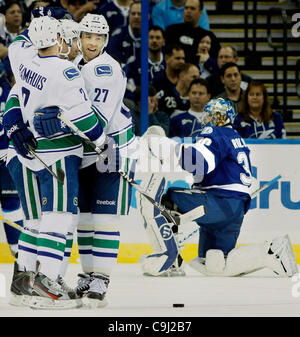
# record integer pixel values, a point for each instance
(219, 112)
(57, 13)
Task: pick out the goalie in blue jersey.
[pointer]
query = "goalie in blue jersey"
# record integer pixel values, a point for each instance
(220, 164)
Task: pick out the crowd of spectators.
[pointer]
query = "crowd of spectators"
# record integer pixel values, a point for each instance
(183, 51)
(194, 67)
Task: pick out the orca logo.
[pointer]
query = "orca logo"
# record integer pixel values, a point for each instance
(103, 70)
(71, 73)
(166, 231)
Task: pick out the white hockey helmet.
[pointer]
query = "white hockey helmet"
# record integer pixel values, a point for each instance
(43, 31)
(69, 30)
(95, 23)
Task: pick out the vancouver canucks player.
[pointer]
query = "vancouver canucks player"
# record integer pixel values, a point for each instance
(104, 196)
(38, 77)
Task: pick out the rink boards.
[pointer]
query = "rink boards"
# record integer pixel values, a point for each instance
(275, 211)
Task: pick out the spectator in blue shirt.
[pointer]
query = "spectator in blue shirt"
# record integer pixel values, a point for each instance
(206, 64)
(116, 13)
(156, 62)
(155, 116)
(125, 42)
(256, 118)
(189, 123)
(170, 12)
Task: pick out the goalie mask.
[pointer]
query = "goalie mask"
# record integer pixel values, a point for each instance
(96, 24)
(218, 112)
(69, 30)
(43, 31)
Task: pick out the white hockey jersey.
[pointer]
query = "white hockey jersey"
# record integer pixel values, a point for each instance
(50, 81)
(105, 83)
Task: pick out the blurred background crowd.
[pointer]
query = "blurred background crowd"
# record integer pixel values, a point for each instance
(187, 63)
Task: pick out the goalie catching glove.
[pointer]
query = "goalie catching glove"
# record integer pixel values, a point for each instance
(160, 146)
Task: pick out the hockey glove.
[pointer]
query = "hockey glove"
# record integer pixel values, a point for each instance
(21, 136)
(46, 122)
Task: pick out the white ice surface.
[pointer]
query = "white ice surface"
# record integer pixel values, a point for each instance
(133, 295)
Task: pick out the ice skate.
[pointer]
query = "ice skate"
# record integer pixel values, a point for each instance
(21, 287)
(61, 281)
(95, 297)
(48, 294)
(83, 284)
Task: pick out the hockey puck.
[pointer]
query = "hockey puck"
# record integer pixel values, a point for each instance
(178, 305)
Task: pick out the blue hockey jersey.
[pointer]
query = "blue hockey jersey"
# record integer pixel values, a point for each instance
(4, 91)
(116, 16)
(3, 142)
(256, 129)
(124, 46)
(219, 161)
(185, 124)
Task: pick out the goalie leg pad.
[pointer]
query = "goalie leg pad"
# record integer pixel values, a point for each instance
(240, 261)
(158, 262)
(154, 185)
(276, 255)
(281, 258)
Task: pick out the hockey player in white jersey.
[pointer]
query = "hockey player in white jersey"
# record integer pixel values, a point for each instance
(104, 196)
(110, 196)
(46, 80)
(220, 164)
(69, 47)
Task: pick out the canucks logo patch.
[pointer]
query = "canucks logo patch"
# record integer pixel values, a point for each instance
(103, 70)
(71, 73)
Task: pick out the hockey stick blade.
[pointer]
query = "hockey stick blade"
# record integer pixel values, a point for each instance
(60, 172)
(192, 215)
(79, 133)
(266, 185)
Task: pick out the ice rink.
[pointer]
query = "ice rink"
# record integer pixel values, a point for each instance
(261, 294)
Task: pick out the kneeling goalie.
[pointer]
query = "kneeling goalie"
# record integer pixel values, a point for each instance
(220, 164)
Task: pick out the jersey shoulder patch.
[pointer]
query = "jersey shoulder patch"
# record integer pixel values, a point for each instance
(103, 70)
(71, 73)
(207, 130)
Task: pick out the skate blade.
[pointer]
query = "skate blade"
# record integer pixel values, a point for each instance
(19, 300)
(92, 303)
(167, 274)
(39, 302)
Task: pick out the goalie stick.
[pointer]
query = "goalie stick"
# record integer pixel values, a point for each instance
(79, 133)
(253, 195)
